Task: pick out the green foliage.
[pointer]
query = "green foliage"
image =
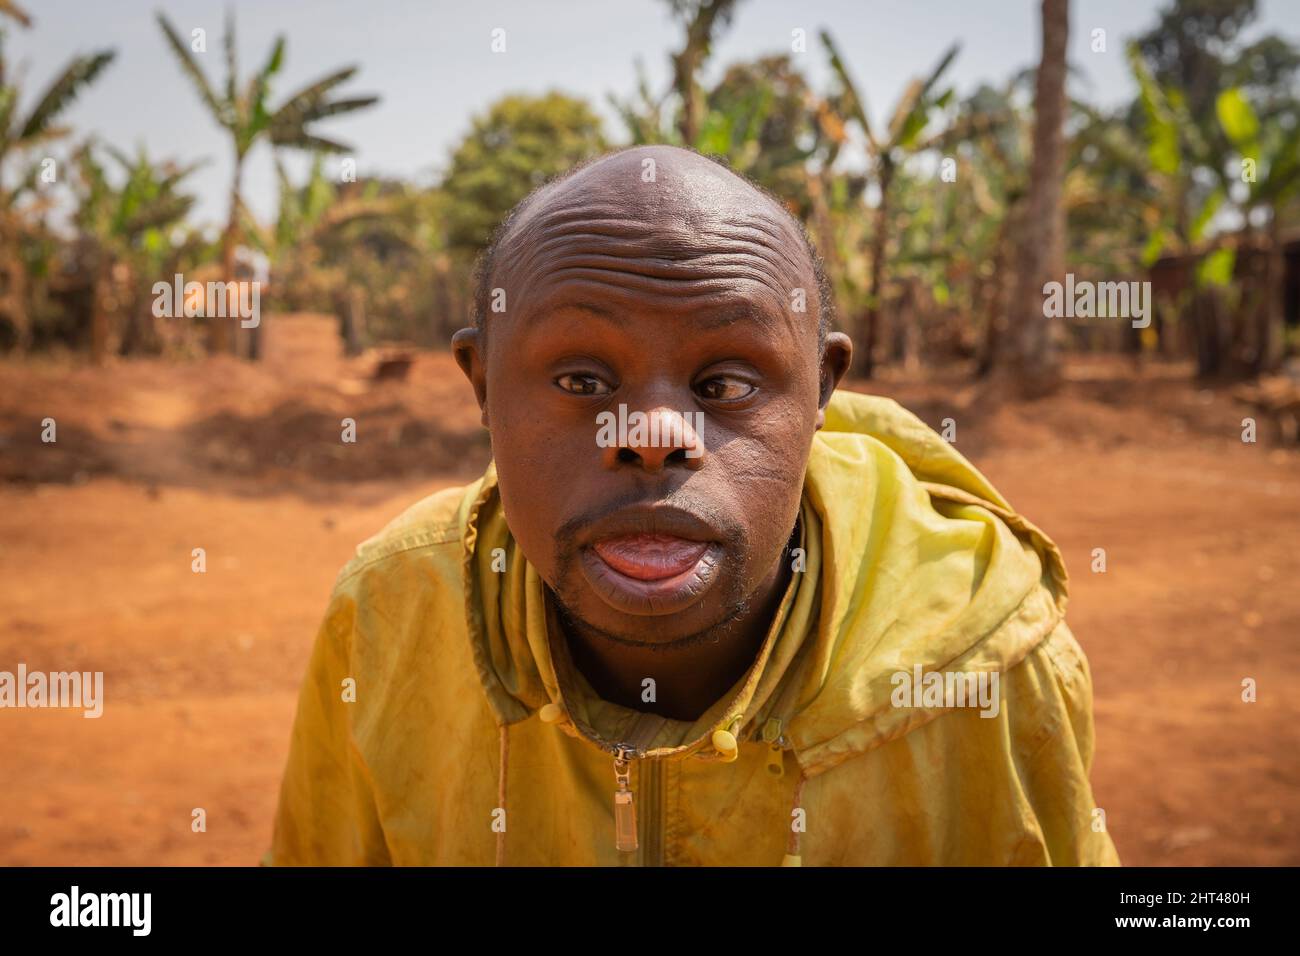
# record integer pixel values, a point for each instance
(38, 126)
(1163, 149)
(248, 117)
(1238, 120)
(137, 214)
(761, 118)
(1196, 48)
(129, 235)
(510, 150)
(1216, 268)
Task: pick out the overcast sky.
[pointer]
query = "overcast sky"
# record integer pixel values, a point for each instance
(432, 64)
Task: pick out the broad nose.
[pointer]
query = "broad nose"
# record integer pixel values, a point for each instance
(655, 438)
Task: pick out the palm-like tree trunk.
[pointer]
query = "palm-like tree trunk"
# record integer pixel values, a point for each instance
(1034, 364)
(219, 329)
(877, 251)
(13, 280)
(1273, 313)
(687, 63)
(100, 320)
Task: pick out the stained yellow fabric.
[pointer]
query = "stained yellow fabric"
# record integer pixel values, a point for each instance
(908, 557)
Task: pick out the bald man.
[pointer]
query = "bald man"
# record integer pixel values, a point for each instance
(702, 608)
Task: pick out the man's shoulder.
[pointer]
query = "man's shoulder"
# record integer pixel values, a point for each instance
(435, 522)
(403, 587)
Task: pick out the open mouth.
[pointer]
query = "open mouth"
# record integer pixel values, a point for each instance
(650, 557)
(652, 563)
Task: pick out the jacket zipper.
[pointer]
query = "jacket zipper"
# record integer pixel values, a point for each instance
(624, 807)
(653, 789)
(654, 818)
(649, 839)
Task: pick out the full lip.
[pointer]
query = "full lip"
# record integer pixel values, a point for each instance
(680, 559)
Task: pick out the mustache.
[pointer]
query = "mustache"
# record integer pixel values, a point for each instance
(730, 533)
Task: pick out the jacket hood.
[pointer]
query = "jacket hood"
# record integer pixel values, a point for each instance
(910, 557)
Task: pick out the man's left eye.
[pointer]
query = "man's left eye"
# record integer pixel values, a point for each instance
(582, 385)
(724, 389)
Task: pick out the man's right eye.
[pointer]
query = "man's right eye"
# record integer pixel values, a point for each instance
(583, 385)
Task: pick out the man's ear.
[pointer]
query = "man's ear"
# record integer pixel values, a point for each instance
(835, 362)
(466, 346)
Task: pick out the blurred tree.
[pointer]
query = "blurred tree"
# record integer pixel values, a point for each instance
(323, 233)
(761, 117)
(1032, 361)
(1195, 48)
(702, 20)
(643, 114)
(902, 137)
(995, 165)
(518, 144)
(1272, 154)
(1238, 159)
(248, 118)
(19, 134)
(129, 232)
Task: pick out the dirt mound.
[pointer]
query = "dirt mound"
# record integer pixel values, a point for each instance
(1102, 404)
(306, 414)
(388, 440)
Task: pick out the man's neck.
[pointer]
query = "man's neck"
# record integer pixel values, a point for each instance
(687, 680)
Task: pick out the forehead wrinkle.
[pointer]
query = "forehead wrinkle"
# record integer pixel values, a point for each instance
(651, 277)
(723, 251)
(768, 235)
(700, 212)
(698, 231)
(710, 308)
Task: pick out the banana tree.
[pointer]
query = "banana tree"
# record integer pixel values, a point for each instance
(249, 119)
(702, 20)
(1176, 150)
(902, 138)
(128, 230)
(20, 134)
(311, 220)
(1269, 160)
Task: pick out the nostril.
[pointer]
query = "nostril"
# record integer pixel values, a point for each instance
(677, 455)
(627, 456)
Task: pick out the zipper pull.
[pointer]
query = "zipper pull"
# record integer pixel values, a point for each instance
(624, 809)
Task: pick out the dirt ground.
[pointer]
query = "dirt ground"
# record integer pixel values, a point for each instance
(156, 459)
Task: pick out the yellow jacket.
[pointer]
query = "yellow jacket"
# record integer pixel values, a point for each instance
(441, 722)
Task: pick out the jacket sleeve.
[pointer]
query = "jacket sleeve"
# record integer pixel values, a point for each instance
(326, 814)
(1053, 750)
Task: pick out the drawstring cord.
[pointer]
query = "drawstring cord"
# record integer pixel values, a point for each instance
(501, 794)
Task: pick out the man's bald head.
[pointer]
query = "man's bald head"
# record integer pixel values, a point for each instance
(676, 196)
